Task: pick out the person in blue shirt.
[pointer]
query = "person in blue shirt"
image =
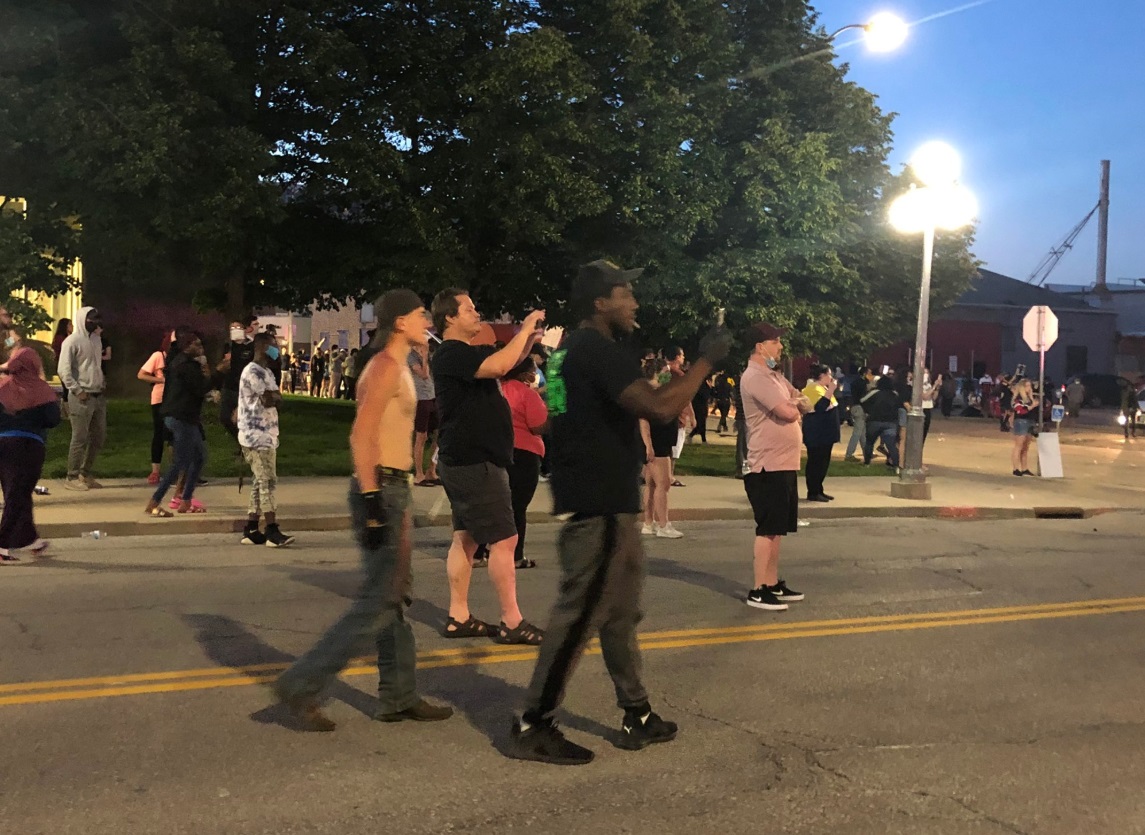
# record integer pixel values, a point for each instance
(29, 407)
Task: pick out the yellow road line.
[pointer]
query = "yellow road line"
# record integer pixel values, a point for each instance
(214, 678)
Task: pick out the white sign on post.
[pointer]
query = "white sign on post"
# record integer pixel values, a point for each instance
(1040, 328)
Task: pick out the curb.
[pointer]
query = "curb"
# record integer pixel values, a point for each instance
(341, 522)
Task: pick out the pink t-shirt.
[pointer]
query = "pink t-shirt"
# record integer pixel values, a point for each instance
(528, 410)
(154, 366)
(773, 444)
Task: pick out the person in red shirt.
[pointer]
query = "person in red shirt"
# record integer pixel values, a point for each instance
(530, 421)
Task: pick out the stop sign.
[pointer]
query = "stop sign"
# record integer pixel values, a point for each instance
(1040, 328)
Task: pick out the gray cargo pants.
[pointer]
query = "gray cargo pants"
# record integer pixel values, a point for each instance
(378, 612)
(602, 578)
(89, 430)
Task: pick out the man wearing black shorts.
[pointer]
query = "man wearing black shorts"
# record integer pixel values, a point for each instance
(596, 395)
(773, 411)
(475, 449)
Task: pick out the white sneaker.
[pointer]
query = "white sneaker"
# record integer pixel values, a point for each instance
(650, 530)
(76, 484)
(39, 546)
(669, 532)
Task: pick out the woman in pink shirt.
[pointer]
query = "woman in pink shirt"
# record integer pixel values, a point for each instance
(530, 419)
(152, 372)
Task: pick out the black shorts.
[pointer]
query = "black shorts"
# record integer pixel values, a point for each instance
(425, 420)
(774, 501)
(481, 501)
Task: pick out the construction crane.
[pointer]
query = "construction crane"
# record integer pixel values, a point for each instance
(1042, 271)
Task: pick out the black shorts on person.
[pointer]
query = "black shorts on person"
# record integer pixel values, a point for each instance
(774, 501)
(481, 501)
(425, 419)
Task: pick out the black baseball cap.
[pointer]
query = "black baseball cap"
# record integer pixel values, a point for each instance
(595, 280)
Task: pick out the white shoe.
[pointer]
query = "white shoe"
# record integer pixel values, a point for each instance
(39, 546)
(650, 530)
(76, 484)
(669, 532)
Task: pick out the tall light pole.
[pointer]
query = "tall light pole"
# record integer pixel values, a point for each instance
(942, 203)
(884, 32)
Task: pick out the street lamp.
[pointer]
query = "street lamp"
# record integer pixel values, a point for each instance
(942, 203)
(884, 32)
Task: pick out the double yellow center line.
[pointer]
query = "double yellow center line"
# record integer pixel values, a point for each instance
(135, 684)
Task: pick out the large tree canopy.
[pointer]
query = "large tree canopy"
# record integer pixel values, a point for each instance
(279, 151)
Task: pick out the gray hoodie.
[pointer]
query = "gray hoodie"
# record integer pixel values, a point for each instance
(81, 358)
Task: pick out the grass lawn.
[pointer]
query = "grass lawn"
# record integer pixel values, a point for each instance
(314, 433)
(315, 442)
(720, 460)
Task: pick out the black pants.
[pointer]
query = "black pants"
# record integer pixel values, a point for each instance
(818, 462)
(228, 402)
(524, 473)
(723, 407)
(947, 405)
(926, 415)
(21, 463)
(701, 427)
(158, 434)
(351, 388)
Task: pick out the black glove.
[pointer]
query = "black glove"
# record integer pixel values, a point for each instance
(375, 533)
(716, 344)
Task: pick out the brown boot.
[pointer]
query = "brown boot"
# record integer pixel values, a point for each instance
(305, 711)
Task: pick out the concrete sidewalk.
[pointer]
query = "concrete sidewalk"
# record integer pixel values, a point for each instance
(968, 462)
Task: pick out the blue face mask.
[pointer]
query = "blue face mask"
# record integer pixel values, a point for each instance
(772, 362)
(272, 353)
(9, 342)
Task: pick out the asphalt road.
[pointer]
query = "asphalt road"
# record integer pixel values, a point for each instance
(941, 677)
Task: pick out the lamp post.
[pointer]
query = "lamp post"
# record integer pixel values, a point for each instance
(942, 203)
(884, 32)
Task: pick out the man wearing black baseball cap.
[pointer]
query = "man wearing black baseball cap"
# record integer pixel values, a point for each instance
(596, 396)
(773, 411)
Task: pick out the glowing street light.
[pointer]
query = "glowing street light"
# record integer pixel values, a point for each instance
(884, 32)
(942, 203)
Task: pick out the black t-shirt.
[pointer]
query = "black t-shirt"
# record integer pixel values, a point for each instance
(597, 450)
(476, 426)
(242, 355)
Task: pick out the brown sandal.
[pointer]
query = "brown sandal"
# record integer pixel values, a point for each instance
(158, 512)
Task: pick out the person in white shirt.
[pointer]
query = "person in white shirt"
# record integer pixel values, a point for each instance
(259, 398)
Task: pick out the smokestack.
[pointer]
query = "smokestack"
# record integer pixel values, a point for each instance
(1102, 227)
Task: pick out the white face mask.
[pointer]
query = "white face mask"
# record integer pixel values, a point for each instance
(237, 334)
(9, 342)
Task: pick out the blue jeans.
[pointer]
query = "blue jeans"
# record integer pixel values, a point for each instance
(888, 432)
(190, 457)
(378, 612)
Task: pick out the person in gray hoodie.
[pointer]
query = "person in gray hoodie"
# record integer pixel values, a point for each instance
(81, 373)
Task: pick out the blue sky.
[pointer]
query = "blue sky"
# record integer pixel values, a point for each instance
(1034, 93)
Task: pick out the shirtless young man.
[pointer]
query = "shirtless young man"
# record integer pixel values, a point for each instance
(379, 510)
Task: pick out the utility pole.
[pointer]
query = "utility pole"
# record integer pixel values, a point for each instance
(1102, 227)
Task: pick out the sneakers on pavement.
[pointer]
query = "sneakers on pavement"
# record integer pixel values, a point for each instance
(276, 538)
(544, 743)
(423, 711)
(669, 532)
(644, 728)
(253, 536)
(764, 598)
(785, 594)
(91, 483)
(649, 530)
(76, 483)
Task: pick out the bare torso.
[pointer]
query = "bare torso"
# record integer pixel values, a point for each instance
(396, 427)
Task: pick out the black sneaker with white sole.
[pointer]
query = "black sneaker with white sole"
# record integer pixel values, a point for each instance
(276, 538)
(785, 594)
(764, 598)
(643, 728)
(544, 743)
(253, 536)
